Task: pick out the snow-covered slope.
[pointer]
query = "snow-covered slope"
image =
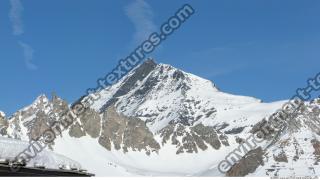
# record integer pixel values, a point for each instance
(159, 120)
(163, 94)
(296, 152)
(166, 99)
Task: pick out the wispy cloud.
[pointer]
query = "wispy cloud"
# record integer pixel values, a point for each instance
(140, 14)
(28, 55)
(15, 16)
(225, 70)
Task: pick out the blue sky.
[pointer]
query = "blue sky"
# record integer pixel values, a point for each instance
(260, 48)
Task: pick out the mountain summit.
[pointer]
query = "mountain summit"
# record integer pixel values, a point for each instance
(160, 120)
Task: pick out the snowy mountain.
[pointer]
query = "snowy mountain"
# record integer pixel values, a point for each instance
(30, 122)
(295, 151)
(159, 120)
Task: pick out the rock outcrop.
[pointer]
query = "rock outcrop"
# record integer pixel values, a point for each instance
(191, 139)
(3, 124)
(126, 133)
(247, 164)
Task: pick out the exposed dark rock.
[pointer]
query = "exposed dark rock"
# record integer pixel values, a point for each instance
(185, 117)
(240, 140)
(39, 126)
(128, 84)
(124, 133)
(235, 130)
(263, 130)
(208, 114)
(224, 139)
(222, 126)
(166, 133)
(188, 110)
(113, 127)
(247, 164)
(105, 142)
(91, 122)
(200, 142)
(107, 104)
(208, 134)
(298, 150)
(79, 101)
(150, 83)
(138, 137)
(178, 75)
(59, 106)
(38, 117)
(76, 131)
(140, 73)
(189, 144)
(3, 125)
(281, 157)
(192, 138)
(316, 146)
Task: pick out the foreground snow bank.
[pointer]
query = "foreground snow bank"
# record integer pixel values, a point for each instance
(10, 148)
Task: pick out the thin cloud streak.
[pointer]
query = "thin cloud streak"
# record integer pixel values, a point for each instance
(140, 14)
(28, 55)
(221, 71)
(15, 16)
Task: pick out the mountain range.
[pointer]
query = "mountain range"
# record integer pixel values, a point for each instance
(161, 121)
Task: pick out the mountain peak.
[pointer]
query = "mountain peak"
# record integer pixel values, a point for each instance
(2, 114)
(150, 61)
(41, 98)
(158, 106)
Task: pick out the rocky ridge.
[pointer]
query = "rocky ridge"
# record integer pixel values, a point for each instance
(157, 106)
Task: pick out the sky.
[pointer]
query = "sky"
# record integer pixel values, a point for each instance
(261, 48)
